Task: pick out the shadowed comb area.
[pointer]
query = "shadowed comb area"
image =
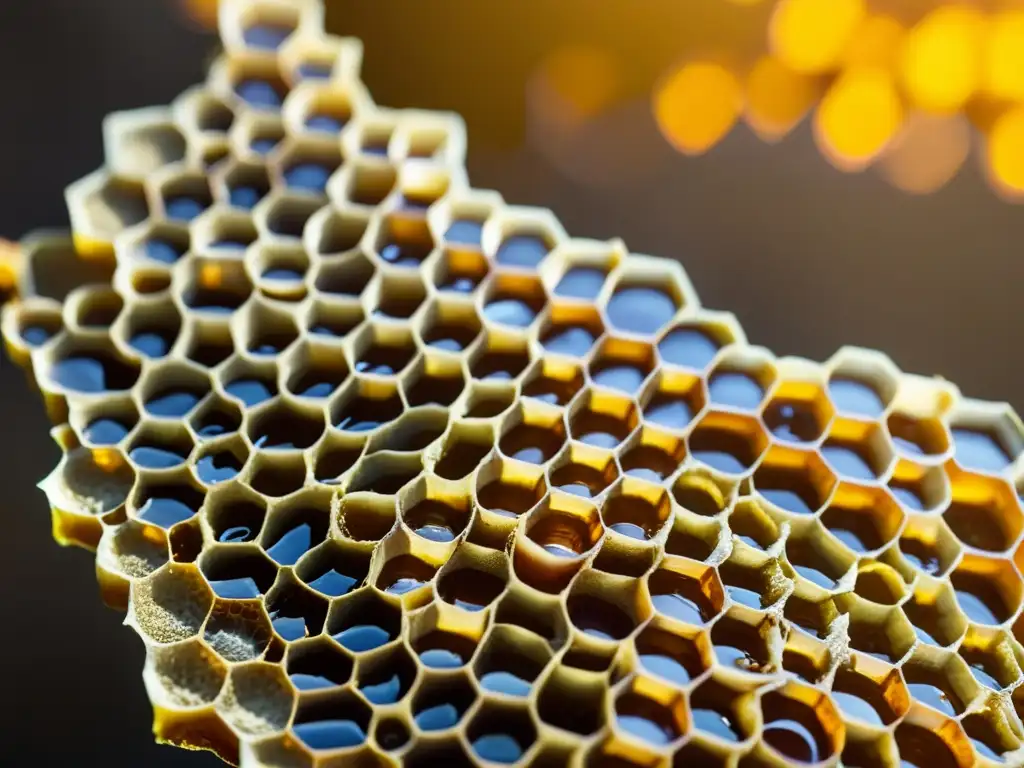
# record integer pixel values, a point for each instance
(386, 471)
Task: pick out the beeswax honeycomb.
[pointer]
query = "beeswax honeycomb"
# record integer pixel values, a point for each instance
(386, 471)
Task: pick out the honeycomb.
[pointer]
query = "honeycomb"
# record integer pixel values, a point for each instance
(386, 471)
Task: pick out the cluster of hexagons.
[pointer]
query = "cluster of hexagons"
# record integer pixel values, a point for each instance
(384, 469)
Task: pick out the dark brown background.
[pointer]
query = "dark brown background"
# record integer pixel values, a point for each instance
(807, 257)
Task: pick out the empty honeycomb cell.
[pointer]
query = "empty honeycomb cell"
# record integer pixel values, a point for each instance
(281, 426)
(621, 364)
(692, 537)
(533, 436)
(798, 411)
(284, 216)
(990, 659)
(989, 739)
(558, 536)
(249, 382)
(857, 450)
(318, 664)
(863, 518)
(459, 271)
(380, 350)
(583, 472)
(345, 276)
(158, 447)
(686, 592)
(919, 488)
(752, 526)
(500, 733)
(434, 382)
(650, 712)
(636, 510)
(314, 371)
(441, 519)
(794, 481)
(721, 712)
(319, 110)
(297, 525)
(101, 206)
(523, 246)
(36, 325)
(600, 612)
(988, 589)
(334, 456)
(513, 301)
(816, 558)
(401, 242)
(886, 636)
(741, 380)
(335, 568)
(213, 286)
(474, 582)
(243, 185)
(602, 419)
(935, 616)
(280, 273)
(334, 722)
(257, 699)
(509, 662)
(133, 550)
(450, 326)
(924, 740)
(399, 298)
(139, 142)
(673, 656)
(987, 440)
(236, 515)
(93, 309)
(334, 233)
(920, 438)
(570, 332)
(387, 677)
(439, 704)
(223, 234)
(741, 645)
(800, 724)
(984, 513)
(207, 342)
(83, 365)
(673, 401)
(880, 583)
(172, 499)
(864, 699)
(728, 443)
(401, 574)
(928, 545)
(364, 517)
(651, 455)
(332, 322)
(753, 587)
(172, 390)
(239, 572)
(946, 688)
(152, 329)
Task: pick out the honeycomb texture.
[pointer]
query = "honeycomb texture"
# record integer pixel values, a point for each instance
(386, 471)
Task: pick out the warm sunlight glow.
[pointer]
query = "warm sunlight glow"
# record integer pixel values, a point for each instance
(941, 62)
(811, 35)
(858, 116)
(697, 105)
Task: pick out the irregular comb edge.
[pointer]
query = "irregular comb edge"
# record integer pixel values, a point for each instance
(208, 670)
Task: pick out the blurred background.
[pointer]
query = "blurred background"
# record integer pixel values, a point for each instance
(885, 217)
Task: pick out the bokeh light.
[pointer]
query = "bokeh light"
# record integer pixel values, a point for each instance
(1005, 153)
(778, 98)
(697, 105)
(583, 81)
(1004, 56)
(810, 35)
(858, 116)
(203, 12)
(927, 153)
(941, 61)
(875, 43)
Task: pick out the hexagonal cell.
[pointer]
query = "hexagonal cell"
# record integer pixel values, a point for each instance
(280, 272)
(524, 246)
(369, 184)
(283, 216)
(314, 371)
(391, 734)
(438, 648)
(695, 345)
(728, 443)
(324, 111)
(644, 302)
(250, 382)
(857, 450)
(281, 426)
(107, 424)
(258, 699)
(988, 589)
(943, 688)
(337, 721)
(718, 711)
(918, 436)
(861, 393)
(582, 472)
(363, 622)
(434, 383)
(85, 365)
(935, 615)
(622, 364)
(500, 733)
(184, 196)
(421, 185)
(602, 419)
(928, 545)
(141, 141)
(800, 724)
(463, 452)
(335, 568)
(93, 309)
(437, 516)
(636, 511)
(386, 474)
(365, 406)
(859, 697)
(673, 657)
(333, 322)
(509, 490)
(741, 380)
(928, 741)
(752, 526)
(817, 558)
(214, 286)
(498, 358)
(887, 635)
(401, 574)
(570, 331)
(513, 301)
(673, 400)
(207, 342)
(401, 242)
(864, 519)
(553, 381)
(387, 677)
(880, 583)
(652, 455)
(472, 582)
(221, 461)
(986, 439)
(990, 736)
(651, 713)
(798, 411)
(306, 167)
(460, 270)
(172, 390)
(188, 675)
(582, 281)
(244, 185)
(171, 604)
(237, 632)
(450, 326)
(235, 515)
(152, 329)
(101, 206)
(346, 276)
(795, 481)
(687, 592)
(337, 234)
(383, 351)
(166, 502)
(36, 325)
(240, 572)
(740, 644)
(693, 537)
(440, 703)
(534, 437)
(297, 525)
(984, 513)
(752, 587)
(551, 548)
(509, 661)
(597, 610)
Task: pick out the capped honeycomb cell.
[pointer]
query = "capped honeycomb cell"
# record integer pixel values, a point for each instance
(387, 471)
